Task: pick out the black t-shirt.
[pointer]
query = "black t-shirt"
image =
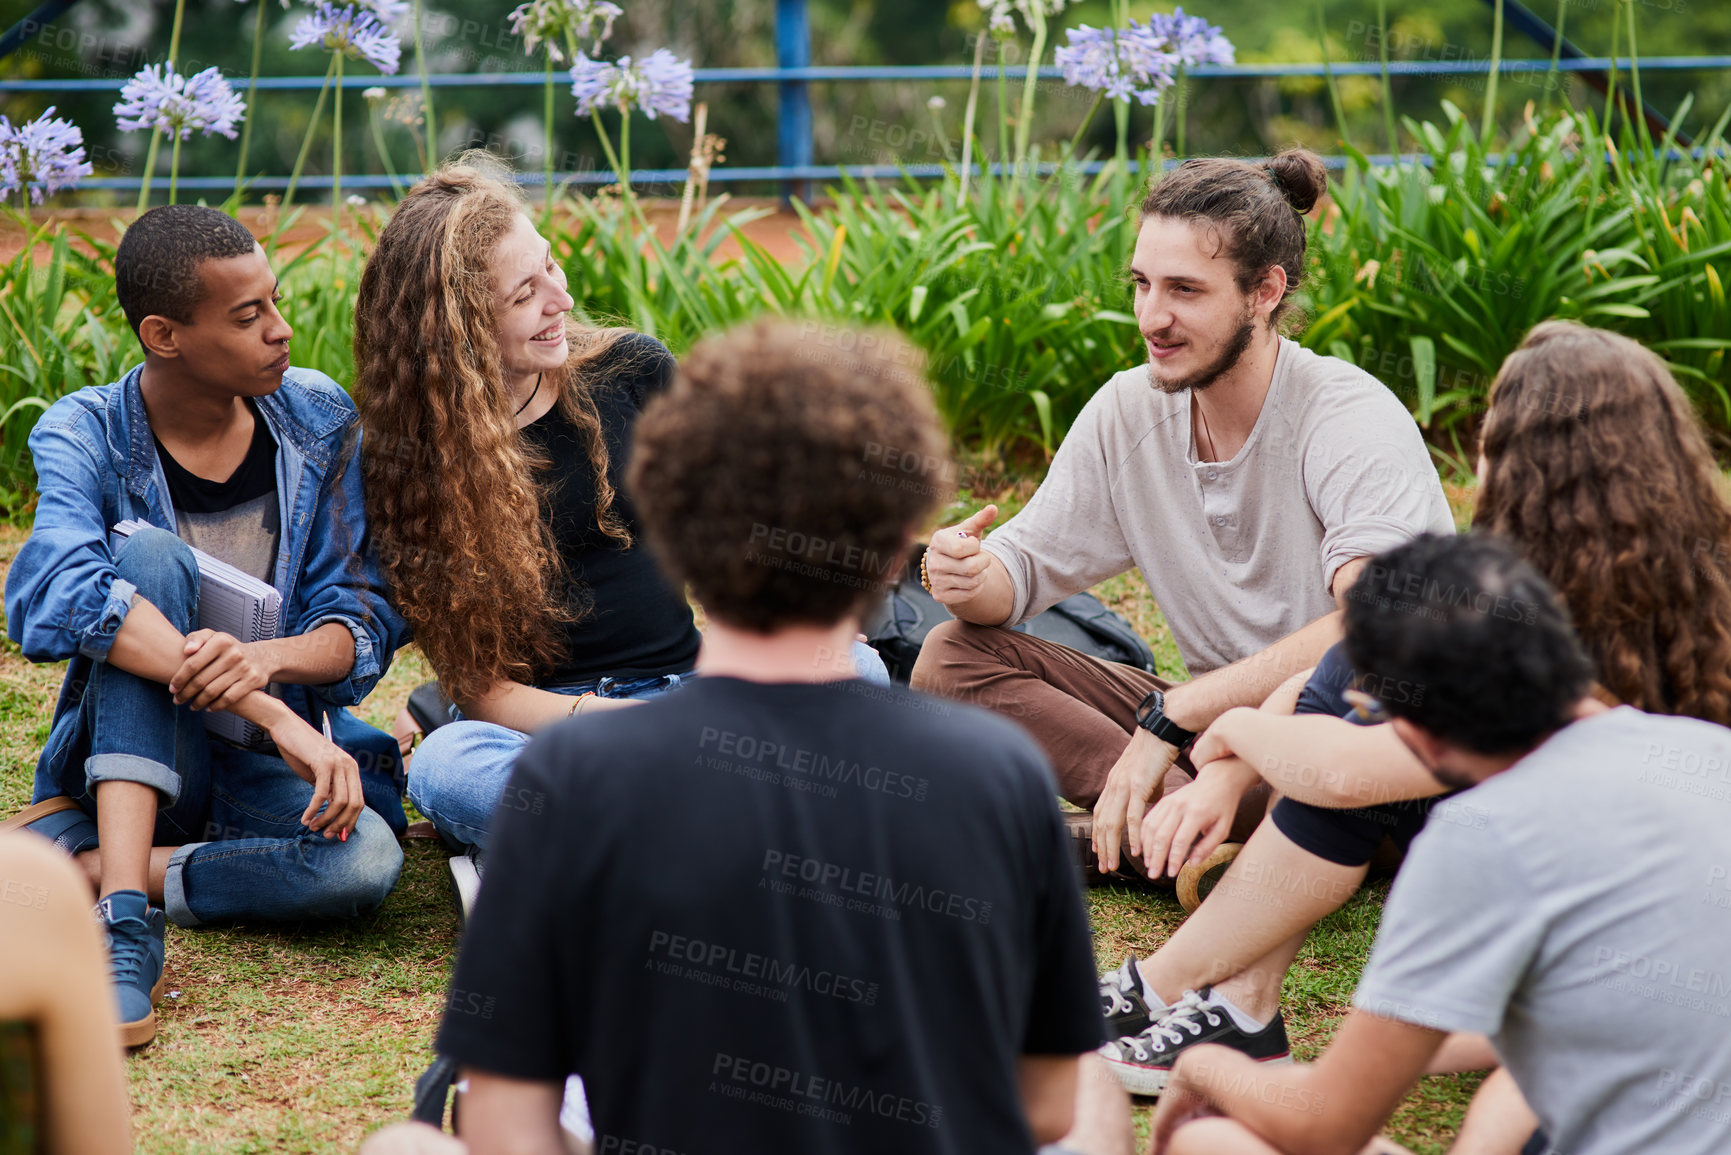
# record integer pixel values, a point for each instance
(238, 520)
(815, 918)
(633, 624)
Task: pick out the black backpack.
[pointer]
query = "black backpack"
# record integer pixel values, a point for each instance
(898, 626)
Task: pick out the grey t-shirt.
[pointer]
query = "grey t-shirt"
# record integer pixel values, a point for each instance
(236, 520)
(1576, 908)
(1237, 553)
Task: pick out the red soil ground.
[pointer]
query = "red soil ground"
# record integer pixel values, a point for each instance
(776, 232)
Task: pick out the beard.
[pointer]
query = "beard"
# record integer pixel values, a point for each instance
(1230, 354)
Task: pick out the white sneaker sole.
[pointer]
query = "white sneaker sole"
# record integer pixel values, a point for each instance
(468, 883)
(1150, 1081)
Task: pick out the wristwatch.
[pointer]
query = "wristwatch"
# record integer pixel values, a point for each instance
(1151, 716)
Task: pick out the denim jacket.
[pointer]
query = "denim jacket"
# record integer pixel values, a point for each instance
(96, 465)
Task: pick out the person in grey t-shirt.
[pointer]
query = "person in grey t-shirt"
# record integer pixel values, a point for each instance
(1567, 904)
(1247, 477)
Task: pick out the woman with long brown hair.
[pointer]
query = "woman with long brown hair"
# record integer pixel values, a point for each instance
(496, 434)
(496, 430)
(1594, 465)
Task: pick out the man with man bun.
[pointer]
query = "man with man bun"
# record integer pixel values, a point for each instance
(1247, 477)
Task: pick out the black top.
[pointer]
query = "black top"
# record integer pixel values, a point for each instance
(237, 520)
(634, 623)
(816, 918)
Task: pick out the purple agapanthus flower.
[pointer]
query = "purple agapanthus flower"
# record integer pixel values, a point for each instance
(44, 155)
(658, 85)
(161, 98)
(351, 29)
(1194, 39)
(1121, 64)
(550, 20)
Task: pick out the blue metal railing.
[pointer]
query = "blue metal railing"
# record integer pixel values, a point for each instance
(794, 136)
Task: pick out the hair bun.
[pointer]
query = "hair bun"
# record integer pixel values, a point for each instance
(1300, 176)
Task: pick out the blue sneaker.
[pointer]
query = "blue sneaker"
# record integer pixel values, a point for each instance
(135, 953)
(59, 820)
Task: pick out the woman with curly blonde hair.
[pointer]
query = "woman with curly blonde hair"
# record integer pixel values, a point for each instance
(496, 433)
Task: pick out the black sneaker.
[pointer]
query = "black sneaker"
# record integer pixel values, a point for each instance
(1122, 1002)
(1144, 1063)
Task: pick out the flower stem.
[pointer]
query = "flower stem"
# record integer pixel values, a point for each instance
(337, 167)
(968, 120)
(149, 169)
(1387, 89)
(618, 170)
(1611, 80)
(547, 119)
(251, 92)
(156, 133)
(288, 195)
(1488, 123)
(384, 152)
(1099, 99)
(625, 149)
(426, 95)
(1635, 83)
(174, 169)
(1025, 110)
(1003, 112)
(1183, 109)
(1556, 55)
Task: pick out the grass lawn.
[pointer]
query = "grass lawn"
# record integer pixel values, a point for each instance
(304, 1038)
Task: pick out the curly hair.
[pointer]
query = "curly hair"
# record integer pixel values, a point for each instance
(453, 498)
(1596, 466)
(784, 472)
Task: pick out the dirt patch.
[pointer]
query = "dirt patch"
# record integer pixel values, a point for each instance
(779, 232)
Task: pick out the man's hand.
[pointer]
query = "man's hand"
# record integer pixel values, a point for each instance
(216, 671)
(1130, 783)
(1190, 822)
(955, 563)
(335, 778)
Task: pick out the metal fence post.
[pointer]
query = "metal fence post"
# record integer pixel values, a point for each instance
(793, 125)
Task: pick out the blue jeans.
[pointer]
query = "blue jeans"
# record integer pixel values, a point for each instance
(459, 771)
(234, 813)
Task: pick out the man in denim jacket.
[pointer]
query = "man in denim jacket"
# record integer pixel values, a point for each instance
(162, 815)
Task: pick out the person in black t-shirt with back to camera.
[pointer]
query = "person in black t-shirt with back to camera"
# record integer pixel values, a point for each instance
(817, 915)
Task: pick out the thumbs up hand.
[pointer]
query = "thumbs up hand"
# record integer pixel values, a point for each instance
(955, 563)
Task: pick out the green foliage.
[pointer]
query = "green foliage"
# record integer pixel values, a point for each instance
(1015, 295)
(1425, 274)
(61, 330)
(1681, 215)
(1429, 277)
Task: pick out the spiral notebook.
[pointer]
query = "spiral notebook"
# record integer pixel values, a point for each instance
(232, 602)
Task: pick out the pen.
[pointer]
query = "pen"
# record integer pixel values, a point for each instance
(343, 834)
